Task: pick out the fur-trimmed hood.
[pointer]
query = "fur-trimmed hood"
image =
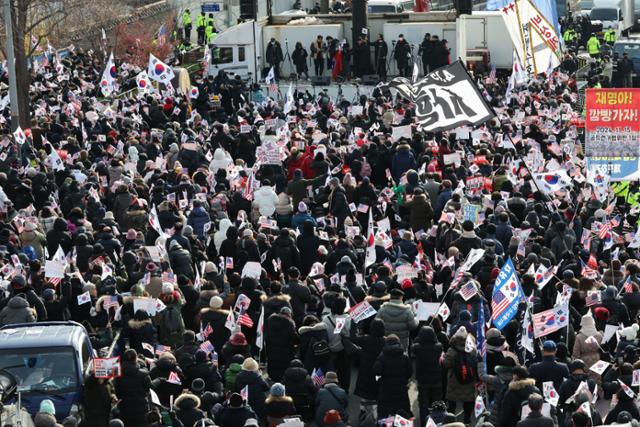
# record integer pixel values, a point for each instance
(372, 298)
(139, 324)
(321, 326)
(187, 401)
(214, 310)
(281, 297)
(521, 384)
(278, 399)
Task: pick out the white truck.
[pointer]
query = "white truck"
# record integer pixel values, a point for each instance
(617, 14)
(235, 48)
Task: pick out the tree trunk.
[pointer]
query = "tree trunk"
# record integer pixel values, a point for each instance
(23, 78)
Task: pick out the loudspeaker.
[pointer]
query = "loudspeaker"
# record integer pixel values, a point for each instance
(463, 7)
(320, 81)
(370, 79)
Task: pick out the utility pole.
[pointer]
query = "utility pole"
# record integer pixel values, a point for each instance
(11, 66)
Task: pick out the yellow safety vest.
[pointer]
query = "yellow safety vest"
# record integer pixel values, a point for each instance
(200, 21)
(186, 18)
(620, 189)
(610, 36)
(593, 46)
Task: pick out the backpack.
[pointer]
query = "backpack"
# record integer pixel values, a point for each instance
(463, 369)
(320, 349)
(171, 325)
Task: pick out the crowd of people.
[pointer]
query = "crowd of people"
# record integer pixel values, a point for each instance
(249, 222)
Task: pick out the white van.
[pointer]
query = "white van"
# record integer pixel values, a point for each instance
(390, 6)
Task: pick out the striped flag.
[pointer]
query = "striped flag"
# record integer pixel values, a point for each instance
(506, 297)
(207, 331)
(245, 393)
(468, 290)
(627, 287)
(317, 376)
(588, 272)
(207, 347)
(370, 257)
(549, 321)
(162, 349)
(244, 319)
(110, 301)
(492, 75)
(480, 324)
(260, 331)
(605, 229)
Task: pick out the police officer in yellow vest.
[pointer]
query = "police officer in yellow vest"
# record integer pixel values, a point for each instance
(593, 46)
(621, 190)
(570, 35)
(201, 24)
(610, 36)
(186, 24)
(209, 34)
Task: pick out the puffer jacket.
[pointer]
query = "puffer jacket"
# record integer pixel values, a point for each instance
(518, 392)
(284, 206)
(220, 160)
(457, 391)
(427, 351)
(197, 220)
(264, 202)
(299, 386)
(17, 311)
(394, 368)
(398, 319)
(187, 409)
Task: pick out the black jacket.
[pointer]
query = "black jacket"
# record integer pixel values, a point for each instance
(427, 351)
(549, 370)
(281, 337)
(394, 368)
(371, 346)
(536, 419)
(300, 297)
(517, 393)
(132, 389)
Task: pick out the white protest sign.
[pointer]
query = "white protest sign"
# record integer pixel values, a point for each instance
(252, 269)
(361, 311)
(107, 368)
(425, 310)
(54, 269)
(401, 132)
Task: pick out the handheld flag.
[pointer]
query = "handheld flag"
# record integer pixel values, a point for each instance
(371, 249)
(143, 83)
(549, 321)
(159, 71)
(507, 294)
(107, 83)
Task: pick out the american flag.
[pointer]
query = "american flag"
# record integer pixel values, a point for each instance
(588, 271)
(229, 263)
(593, 298)
(207, 347)
(627, 287)
(468, 290)
(492, 75)
(168, 276)
(244, 319)
(458, 278)
(615, 221)
(54, 280)
(549, 321)
(245, 393)
(162, 34)
(162, 349)
(207, 331)
(110, 301)
(604, 230)
(317, 376)
(499, 302)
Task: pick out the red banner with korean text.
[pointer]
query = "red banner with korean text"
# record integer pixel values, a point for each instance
(612, 123)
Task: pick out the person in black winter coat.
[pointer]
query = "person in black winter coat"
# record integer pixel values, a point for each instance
(132, 389)
(284, 249)
(207, 371)
(215, 317)
(520, 388)
(571, 384)
(395, 370)
(301, 388)
(625, 403)
(281, 337)
(338, 204)
(187, 409)
(308, 244)
(427, 351)
(371, 345)
(235, 413)
(57, 307)
(276, 301)
(139, 330)
(59, 236)
(311, 332)
(300, 295)
(83, 252)
(251, 377)
(180, 260)
(548, 369)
